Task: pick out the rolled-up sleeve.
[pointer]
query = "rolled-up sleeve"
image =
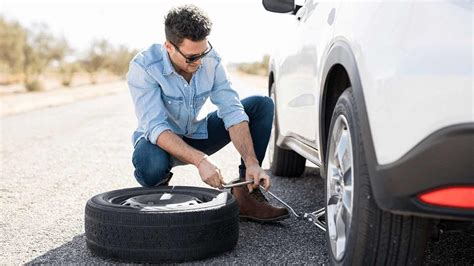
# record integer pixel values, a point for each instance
(229, 107)
(149, 108)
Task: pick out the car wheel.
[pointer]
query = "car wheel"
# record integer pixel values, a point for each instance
(358, 232)
(161, 224)
(283, 162)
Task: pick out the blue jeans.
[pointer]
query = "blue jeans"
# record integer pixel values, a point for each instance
(153, 164)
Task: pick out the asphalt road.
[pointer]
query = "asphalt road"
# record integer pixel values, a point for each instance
(53, 160)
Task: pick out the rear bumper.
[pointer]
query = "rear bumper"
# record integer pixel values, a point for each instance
(444, 159)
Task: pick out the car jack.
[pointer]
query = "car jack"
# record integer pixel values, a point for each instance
(316, 217)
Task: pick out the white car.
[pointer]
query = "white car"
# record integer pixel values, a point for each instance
(379, 94)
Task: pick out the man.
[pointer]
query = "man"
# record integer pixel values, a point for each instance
(169, 84)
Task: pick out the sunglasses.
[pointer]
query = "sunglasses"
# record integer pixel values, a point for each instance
(193, 58)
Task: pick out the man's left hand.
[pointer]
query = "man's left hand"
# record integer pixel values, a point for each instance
(259, 176)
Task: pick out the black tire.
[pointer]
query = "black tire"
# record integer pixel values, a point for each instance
(284, 162)
(376, 237)
(130, 234)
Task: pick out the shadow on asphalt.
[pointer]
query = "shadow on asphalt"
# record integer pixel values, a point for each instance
(74, 251)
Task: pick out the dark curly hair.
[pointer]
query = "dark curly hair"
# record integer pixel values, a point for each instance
(187, 22)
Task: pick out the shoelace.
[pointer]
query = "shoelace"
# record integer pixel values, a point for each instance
(258, 195)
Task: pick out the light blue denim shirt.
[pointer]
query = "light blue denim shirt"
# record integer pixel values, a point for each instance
(164, 100)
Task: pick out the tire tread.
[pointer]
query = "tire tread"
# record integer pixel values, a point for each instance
(287, 163)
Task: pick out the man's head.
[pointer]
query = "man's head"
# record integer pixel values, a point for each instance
(186, 29)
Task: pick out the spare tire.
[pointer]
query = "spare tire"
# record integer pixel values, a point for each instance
(161, 224)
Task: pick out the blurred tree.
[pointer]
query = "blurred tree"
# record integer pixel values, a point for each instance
(67, 70)
(119, 59)
(41, 49)
(25, 54)
(12, 44)
(97, 58)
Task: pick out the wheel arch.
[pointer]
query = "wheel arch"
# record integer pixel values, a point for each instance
(337, 82)
(271, 79)
(339, 73)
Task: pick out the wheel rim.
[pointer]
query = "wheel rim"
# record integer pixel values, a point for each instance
(169, 202)
(339, 194)
(160, 200)
(271, 142)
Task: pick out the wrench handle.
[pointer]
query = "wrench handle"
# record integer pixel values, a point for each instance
(238, 184)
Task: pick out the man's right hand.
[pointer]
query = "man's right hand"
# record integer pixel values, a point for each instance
(210, 173)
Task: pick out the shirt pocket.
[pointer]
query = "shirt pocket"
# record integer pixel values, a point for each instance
(173, 106)
(200, 99)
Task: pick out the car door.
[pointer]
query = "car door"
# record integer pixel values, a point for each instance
(299, 84)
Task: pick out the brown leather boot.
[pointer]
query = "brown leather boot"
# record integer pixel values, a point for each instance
(254, 206)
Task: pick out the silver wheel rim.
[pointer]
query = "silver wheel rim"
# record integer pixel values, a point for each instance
(340, 177)
(171, 202)
(161, 200)
(271, 142)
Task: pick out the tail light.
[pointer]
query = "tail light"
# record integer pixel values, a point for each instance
(454, 197)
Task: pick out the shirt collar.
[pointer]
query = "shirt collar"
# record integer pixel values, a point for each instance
(167, 66)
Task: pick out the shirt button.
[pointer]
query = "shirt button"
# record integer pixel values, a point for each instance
(169, 102)
(185, 85)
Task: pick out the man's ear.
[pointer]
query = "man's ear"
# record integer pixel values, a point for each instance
(169, 47)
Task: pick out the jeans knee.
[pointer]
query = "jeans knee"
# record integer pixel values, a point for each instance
(265, 108)
(268, 105)
(151, 164)
(150, 174)
(260, 106)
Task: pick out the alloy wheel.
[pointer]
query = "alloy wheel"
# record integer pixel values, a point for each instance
(340, 177)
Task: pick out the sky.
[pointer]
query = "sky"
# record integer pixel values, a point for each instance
(243, 31)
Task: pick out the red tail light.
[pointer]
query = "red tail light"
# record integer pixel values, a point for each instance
(455, 197)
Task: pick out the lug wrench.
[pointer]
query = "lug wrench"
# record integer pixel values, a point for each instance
(316, 217)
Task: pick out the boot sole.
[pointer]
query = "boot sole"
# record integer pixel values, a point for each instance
(279, 218)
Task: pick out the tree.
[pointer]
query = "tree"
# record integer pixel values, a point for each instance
(96, 58)
(119, 60)
(12, 45)
(67, 70)
(41, 49)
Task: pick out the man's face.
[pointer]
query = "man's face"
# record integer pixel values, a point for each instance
(188, 48)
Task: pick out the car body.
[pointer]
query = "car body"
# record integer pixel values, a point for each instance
(409, 65)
